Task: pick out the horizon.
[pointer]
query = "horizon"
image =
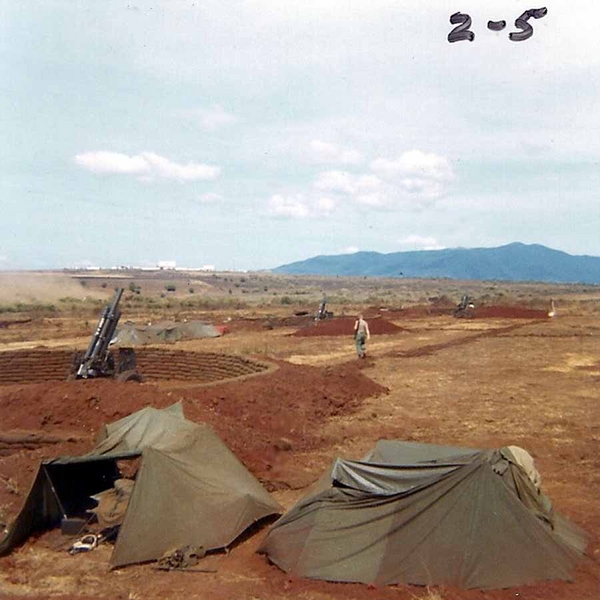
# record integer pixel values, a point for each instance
(213, 269)
(254, 136)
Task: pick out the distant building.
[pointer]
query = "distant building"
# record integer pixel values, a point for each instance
(167, 264)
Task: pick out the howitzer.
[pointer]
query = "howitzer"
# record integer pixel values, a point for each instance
(98, 360)
(464, 308)
(323, 313)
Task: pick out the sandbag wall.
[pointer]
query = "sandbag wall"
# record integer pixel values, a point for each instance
(35, 366)
(39, 365)
(155, 364)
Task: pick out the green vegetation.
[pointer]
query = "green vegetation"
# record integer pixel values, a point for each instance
(32, 307)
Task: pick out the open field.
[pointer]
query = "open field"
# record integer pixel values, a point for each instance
(483, 382)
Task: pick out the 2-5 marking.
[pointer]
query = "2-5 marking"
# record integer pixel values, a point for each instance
(462, 31)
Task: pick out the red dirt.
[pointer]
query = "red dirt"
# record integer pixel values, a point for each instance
(257, 417)
(281, 415)
(269, 322)
(479, 312)
(345, 326)
(508, 312)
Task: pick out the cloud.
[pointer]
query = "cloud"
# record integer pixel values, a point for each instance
(416, 176)
(364, 189)
(347, 183)
(324, 206)
(212, 118)
(325, 152)
(298, 206)
(145, 166)
(417, 173)
(374, 200)
(112, 162)
(418, 242)
(350, 250)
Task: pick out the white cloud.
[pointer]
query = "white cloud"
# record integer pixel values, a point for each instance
(293, 207)
(112, 162)
(298, 206)
(191, 171)
(146, 166)
(325, 152)
(417, 173)
(212, 118)
(347, 183)
(418, 242)
(324, 205)
(425, 188)
(414, 176)
(350, 250)
(365, 189)
(335, 181)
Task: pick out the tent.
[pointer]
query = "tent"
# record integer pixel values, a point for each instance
(190, 489)
(165, 332)
(426, 515)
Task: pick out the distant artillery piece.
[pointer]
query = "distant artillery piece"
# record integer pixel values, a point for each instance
(464, 309)
(98, 360)
(323, 313)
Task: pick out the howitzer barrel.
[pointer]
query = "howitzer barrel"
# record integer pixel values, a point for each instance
(97, 350)
(322, 312)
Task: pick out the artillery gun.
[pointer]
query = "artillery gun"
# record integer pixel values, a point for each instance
(98, 361)
(323, 313)
(464, 309)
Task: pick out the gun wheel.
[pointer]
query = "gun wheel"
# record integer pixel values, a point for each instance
(130, 376)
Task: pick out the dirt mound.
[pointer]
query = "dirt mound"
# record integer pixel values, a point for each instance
(479, 312)
(256, 417)
(269, 322)
(345, 326)
(508, 312)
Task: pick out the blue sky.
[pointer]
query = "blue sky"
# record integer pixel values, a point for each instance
(248, 134)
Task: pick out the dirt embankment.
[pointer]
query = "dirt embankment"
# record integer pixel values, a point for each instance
(479, 312)
(345, 326)
(257, 417)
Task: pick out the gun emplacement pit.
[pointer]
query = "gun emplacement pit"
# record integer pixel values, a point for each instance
(155, 364)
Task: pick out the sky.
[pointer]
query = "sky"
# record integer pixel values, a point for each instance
(250, 134)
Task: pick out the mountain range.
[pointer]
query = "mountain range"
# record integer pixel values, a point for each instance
(512, 262)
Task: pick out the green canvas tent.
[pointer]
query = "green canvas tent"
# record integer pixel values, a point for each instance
(426, 515)
(190, 489)
(166, 332)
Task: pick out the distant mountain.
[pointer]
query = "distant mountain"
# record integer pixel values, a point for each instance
(513, 262)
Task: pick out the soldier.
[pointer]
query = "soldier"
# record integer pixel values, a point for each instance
(361, 335)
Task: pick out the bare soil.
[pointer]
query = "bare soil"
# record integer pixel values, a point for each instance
(345, 326)
(487, 382)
